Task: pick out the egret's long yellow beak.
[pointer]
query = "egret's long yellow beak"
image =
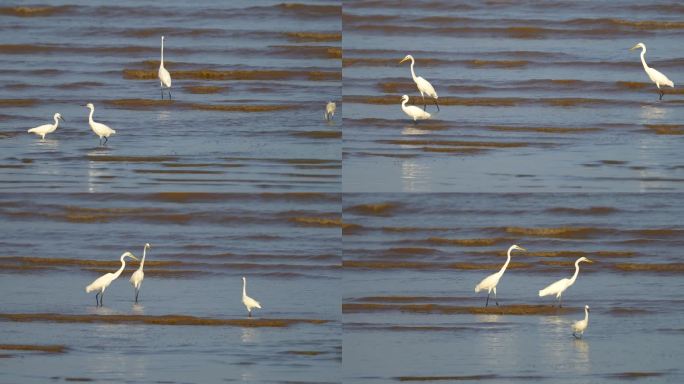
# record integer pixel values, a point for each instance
(134, 258)
(402, 60)
(588, 261)
(522, 249)
(634, 47)
(63, 119)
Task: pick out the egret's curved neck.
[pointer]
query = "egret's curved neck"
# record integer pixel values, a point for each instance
(643, 60)
(123, 265)
(508, 260)
(56, 122)
(244, 288)
(142, 262)
(574, 277)
(413, 74)
(90, 118)
(586, 314)
(162, 53)
(403, 103)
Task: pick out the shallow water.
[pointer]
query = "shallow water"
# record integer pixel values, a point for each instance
(411, 262)
(264, 71)
(541, 99)
(286, 245)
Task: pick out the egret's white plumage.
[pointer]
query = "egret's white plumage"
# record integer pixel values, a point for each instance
(561, 285)
(579, 326)
(102, 282)
(330, 110)
(248, 301)
(46, 128)
(424, 86)
(138, 276)
(164, 75)
(412, 111)
(100, 129)
(657, 77)
(490, 282)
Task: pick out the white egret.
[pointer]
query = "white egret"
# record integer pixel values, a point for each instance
(46, 128)
(164, 75)
(100, 129)
(490, 282)
(413, 111)
(248, 301)
(561, 285)
(579, 326)
(655, 76)
(138, 276)
(424, 87)
(102, 282)
(329, 110)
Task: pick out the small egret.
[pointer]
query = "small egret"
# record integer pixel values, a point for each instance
(138, 276)
(100, 129)
(329, 110)
(248, 301)
(490, 282)
(164, 75)
(424, 87)
(46, 128)
(579, 326)
(102, 282)
(413, 111)
(655, 76)
(561, 285)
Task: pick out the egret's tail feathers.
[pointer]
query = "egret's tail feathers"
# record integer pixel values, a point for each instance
(31, 130)
(670, 83)
(478, 288)
(545, 292)
(113, 131)
(257, 305)
(89, 288)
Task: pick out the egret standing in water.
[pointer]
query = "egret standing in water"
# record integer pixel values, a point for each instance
(490, 282)
(102, 282)
(413, 111)
(100, 129)
(248, 301)
(138, 276)
(424, 87)
(578, 327)
(46, 128)
(329, 110)
(655, 76)
(164, 75)
(561, 285)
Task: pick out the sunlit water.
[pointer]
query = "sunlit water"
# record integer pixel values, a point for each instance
(260, 129)
(411, 263)
(534, 98)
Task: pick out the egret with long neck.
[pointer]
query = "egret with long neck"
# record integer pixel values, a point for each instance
(101, 130)
(46, 128)
(138, 276)
(102, 282)
(424, 86)
(561, 285)
(657, 77)
(163, 74)
(490, 282)
(578, 327)
(248, 301)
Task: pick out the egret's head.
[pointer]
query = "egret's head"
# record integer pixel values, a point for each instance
(162, 37)
(59, 116)
(519, 248)
(586, 307)
(405, 98)
(408, 57)
(147, 245)
(128, 254)
(640, 45)
(90, 105)
(581, 259)
(244, 278)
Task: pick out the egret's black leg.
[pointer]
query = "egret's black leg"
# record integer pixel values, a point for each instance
(169, 93)
(424, 104)
(101, 299)
(161, 89)
(136, 295)
(661, 95)
(249, 313)
(106, 139)
(97, 300)
(496, 300)
(487, 302)
(435, 100)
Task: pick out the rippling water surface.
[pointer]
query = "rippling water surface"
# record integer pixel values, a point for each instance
(411, 262)
(190, 314)
(250, 83)
(532, 98)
